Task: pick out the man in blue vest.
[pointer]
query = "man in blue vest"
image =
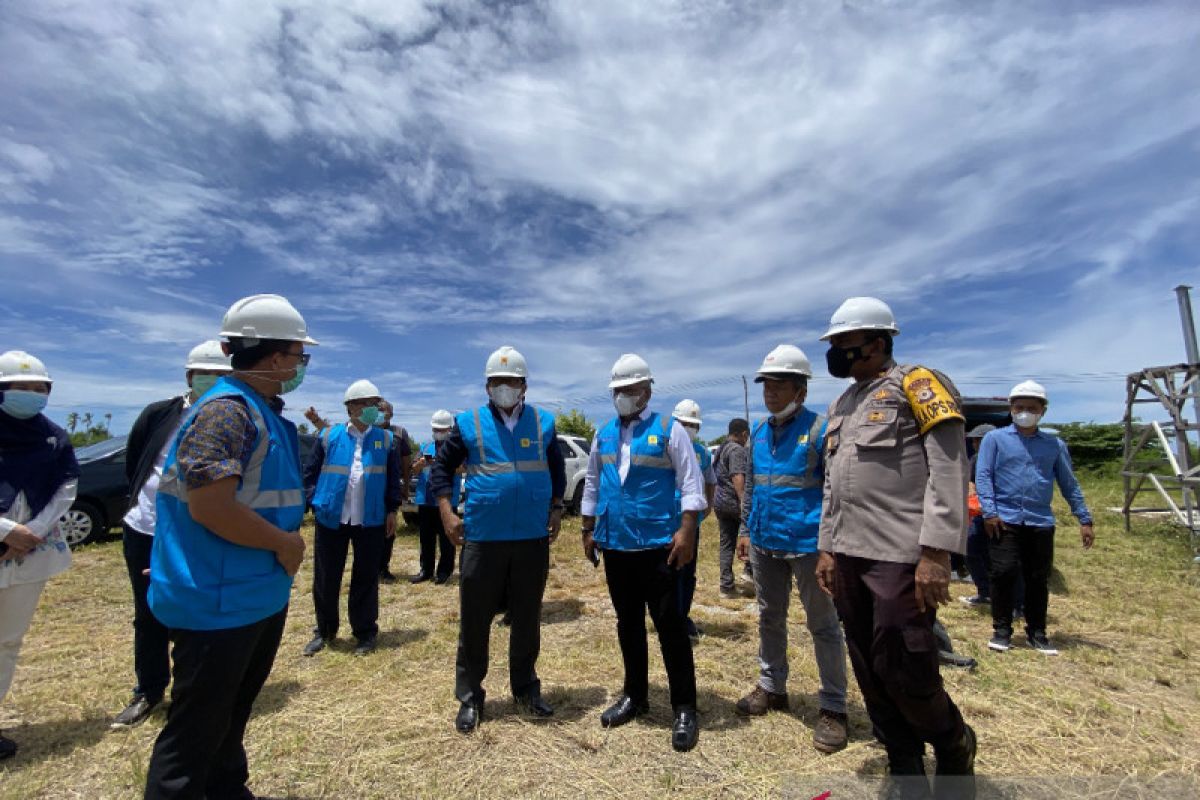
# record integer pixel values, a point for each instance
(687, 414)
(226, 547)
(781, 518)
(638, 461)
(516, 477)
(429, 519)
(352, 481)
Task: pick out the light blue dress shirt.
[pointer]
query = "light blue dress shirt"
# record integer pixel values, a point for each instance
(1015, 477)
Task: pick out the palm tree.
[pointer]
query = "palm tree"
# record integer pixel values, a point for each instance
(72, 421)
(87, 420)
(107, 420)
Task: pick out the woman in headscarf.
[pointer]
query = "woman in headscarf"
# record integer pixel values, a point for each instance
(38, 480)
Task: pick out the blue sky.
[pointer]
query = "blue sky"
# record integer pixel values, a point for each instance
(693, 181)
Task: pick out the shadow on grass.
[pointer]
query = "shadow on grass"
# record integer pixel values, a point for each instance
(393, 639)
(55, 738)
(568, 610)
(726, 628)
(571, 703)
(274, 697)
(1067, 641)
(1057, 583)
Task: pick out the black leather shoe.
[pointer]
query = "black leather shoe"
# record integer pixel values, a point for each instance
(622, 711)
(906, 779)
(686, 730)
(440, 579)
(365, 646)
(469, 716)
(536, 705)
(315, 645)
(387, 577)
(420, 577)
(954, 778)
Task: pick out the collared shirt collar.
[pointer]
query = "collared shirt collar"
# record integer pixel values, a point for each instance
(642, 415)
(499, 412)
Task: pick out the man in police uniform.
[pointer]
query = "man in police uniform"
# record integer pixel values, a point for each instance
(516, 477)
(895, 502)
(226, 547)
(781, 516)
(638, 461)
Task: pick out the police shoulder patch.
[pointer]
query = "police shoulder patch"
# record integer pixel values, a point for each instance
(929, 398)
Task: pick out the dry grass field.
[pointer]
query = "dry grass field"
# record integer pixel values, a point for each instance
(1116, 715)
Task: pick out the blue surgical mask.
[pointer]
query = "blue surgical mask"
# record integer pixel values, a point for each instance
(22, 403)
(369, 415)
(202, 383)
(293, 383)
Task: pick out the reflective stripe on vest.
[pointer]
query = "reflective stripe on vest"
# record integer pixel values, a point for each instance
(640, 512)
(507, 474)
(785, 511)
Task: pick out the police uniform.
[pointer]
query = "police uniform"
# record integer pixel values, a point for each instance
(895, 481)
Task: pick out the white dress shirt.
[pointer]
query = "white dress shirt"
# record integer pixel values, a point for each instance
(688, 479)
(356, 490)
(143, 515)
(510, 422)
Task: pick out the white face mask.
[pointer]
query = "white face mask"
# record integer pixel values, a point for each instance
(692, 433)
(787, 411)
(440, 436)
(1026, 419)
(504, 396)
(627, 404)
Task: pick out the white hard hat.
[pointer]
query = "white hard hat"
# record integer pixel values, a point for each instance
(786, 359)
(208, 355)
(506, 362)
(628, 370)
(265, 316)
(442, 420)
(17, 365)
(687, 411)
(1029, 389)
(361, 390)
(862, 314)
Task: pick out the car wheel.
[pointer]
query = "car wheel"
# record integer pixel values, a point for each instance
(81, 524)
(576, 500)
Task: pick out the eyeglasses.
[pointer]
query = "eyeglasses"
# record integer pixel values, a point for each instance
(304, 357)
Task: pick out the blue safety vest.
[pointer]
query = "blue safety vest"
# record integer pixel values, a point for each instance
(423, 497)
(640, 513)
(329, 498)
(198, 580)
(705, 459)
(785, 512)
(508, 476)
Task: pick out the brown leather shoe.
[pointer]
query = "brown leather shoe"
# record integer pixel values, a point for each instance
(760, 701)
(830, 734)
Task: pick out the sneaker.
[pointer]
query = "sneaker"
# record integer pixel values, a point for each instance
(135, 713)
(830, 734)
(976, 600)
(1000, 643)
(760, 701)
(730, 594)
(1039, 642)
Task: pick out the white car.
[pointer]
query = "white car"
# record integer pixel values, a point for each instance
(575, 450)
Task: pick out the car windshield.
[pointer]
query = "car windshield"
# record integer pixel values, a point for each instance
(100, 449)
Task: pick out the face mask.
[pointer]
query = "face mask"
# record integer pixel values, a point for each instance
(627, 404)
(693, 434)
(440, 436)
(1026, 419)
(293, 383)
(202, 383)
(369, 415)
(23, 404)
(505, 396)
(838, 360)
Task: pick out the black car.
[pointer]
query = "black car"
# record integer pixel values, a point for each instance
(103, 496)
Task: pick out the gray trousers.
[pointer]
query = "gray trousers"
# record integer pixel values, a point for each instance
(728, 524)
(773, 582)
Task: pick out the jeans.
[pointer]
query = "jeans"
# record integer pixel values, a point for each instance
(773, 583)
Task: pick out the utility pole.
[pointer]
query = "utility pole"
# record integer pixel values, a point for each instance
(746, 398)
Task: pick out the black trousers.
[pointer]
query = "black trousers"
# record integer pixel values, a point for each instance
(894, 653)
(385, 557)
(433, 535)
(218, 674)
(687, 583)
(1022, 551)
(641, 581)
(330, 546)
(490, 572)
(151, 642)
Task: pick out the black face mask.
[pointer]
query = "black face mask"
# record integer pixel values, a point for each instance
(839, 359)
